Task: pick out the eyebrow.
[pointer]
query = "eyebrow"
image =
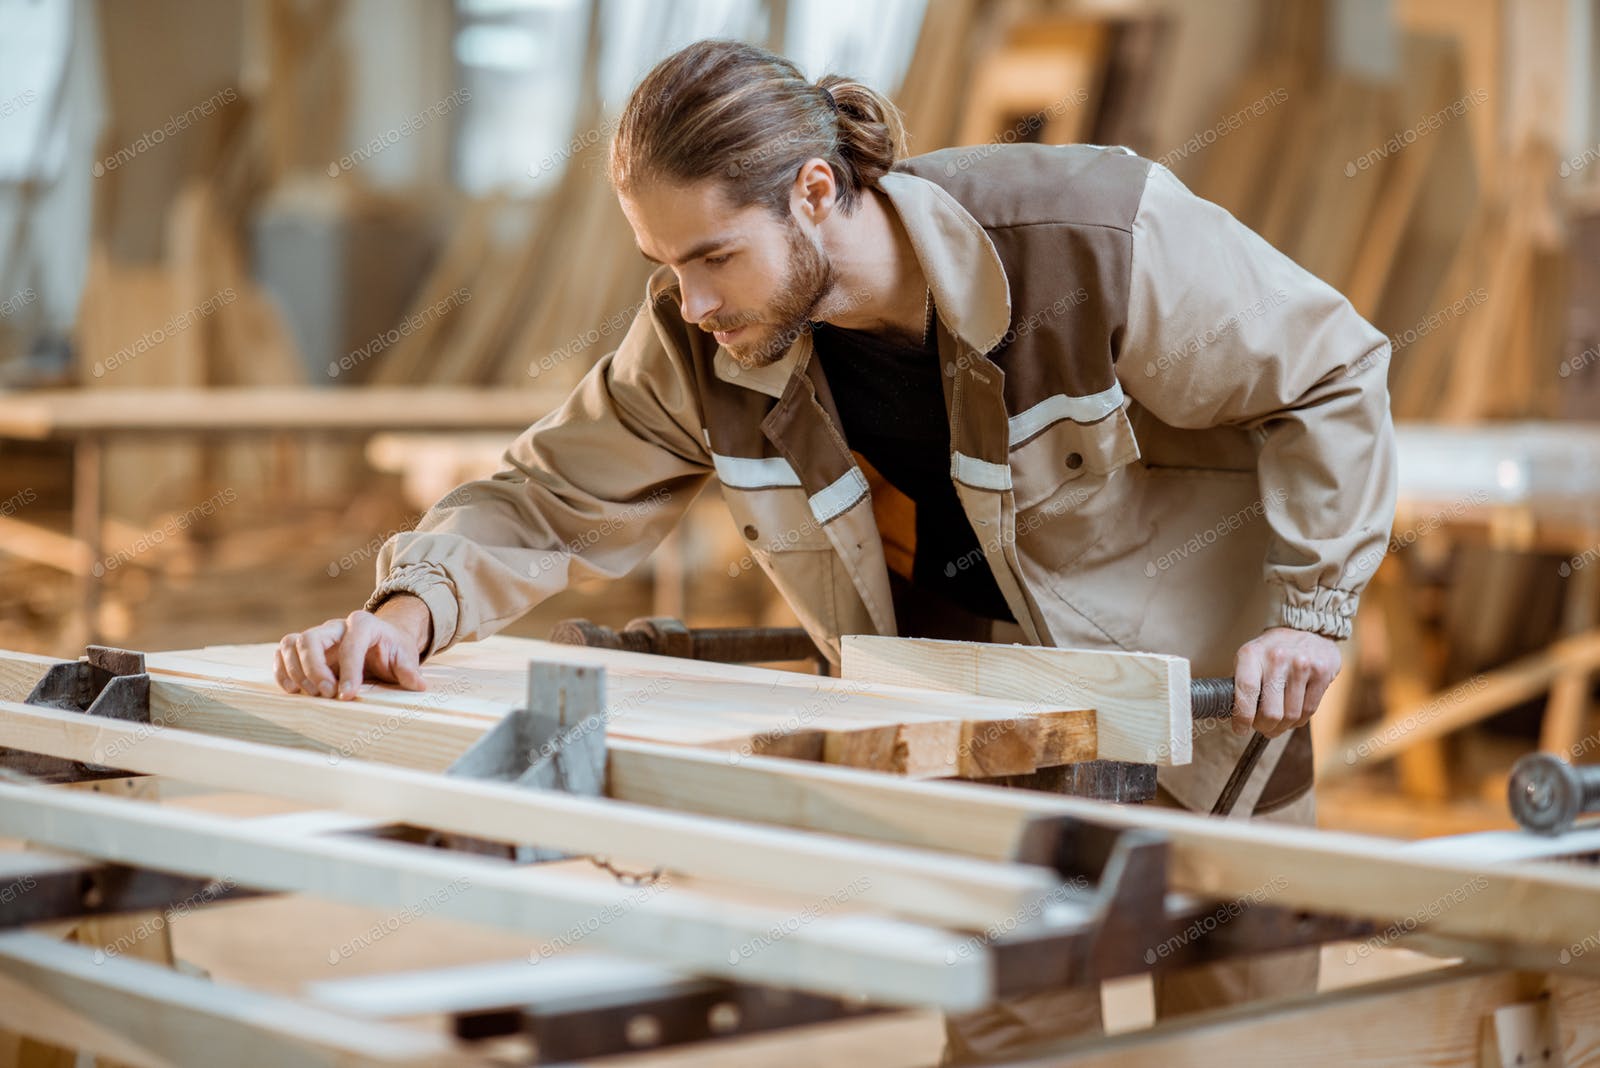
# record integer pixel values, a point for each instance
(702, 249)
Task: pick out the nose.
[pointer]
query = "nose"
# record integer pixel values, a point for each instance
(696, 304)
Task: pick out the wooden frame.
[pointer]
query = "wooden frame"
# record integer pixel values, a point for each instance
(888, 961)
(943, 851)
(958, 891)
(1537, 902)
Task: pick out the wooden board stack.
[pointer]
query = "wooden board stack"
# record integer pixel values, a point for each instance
(871, 723)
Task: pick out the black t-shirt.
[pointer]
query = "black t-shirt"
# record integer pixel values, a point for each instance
(891, 405)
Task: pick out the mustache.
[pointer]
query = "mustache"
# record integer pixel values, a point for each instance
(727, 325)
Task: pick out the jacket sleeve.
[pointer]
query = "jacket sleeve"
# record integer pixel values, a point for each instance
(1224, 330)
(587, 491)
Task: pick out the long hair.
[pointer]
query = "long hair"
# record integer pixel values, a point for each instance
(744, 115)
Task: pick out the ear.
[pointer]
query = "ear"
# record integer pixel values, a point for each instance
(814, 194)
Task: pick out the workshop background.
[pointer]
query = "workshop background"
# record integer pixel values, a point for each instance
(330, 201)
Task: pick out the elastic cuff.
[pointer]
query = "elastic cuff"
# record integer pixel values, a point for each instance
(1323, 611)
(428, 582)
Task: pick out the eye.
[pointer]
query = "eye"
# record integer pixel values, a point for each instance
(718, 261)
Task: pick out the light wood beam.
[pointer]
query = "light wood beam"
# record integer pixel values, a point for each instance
(957, 891)
(878, 957)
(150, 1015)
(1140, 700)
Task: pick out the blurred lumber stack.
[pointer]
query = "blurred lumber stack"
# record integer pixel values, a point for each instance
(1025, 72)
(1425, 198)
(1430, 197)
(554, 283)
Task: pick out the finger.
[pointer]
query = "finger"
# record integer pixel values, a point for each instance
(1294, 692)
(1246, 689)
(312, 648)
(282, 659)
(359, 636)
(394, 657)
(291, 664)
(407, 672)
(405, 669)
(1269, 713)
(1317, 689)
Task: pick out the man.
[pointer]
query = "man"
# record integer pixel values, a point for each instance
(1023, 393)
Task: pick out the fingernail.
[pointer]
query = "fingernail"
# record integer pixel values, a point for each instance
(326, 690)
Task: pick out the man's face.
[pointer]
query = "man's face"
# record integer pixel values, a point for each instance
(750, 278)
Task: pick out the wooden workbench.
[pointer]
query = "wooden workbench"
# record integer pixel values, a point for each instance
(92, 420)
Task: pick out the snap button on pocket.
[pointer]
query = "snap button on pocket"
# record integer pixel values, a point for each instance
(1074, 461)
(751, 533)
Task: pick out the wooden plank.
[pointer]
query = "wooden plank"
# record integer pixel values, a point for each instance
(849, 955)
(1329, 237)
(41, 545)
(1469, 702)
(955, 891)
(475, 987)
(1140, 700)
(1500, 847)
(43, 414)
(741, 710)
(1436, 1018)
(413, 736)
(1424, 92)
(739, 720)
(29, 1018)
(148, 1014)
(19, 672)
(1544, 903)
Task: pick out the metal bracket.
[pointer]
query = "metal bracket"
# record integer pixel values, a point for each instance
(1136, 926)
(44, 887)
(107, 682)
(677, 1013)
(1125, 871)
(557, 743)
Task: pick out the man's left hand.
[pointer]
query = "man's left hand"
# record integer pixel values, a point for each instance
(1279, 679)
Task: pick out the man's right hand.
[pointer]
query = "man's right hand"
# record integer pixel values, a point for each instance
(332, 658)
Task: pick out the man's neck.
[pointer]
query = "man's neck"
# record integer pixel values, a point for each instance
(878, 283)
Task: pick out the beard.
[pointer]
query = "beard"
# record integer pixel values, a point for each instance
(808, 279)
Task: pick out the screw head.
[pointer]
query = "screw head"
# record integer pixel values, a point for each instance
(1545, 794)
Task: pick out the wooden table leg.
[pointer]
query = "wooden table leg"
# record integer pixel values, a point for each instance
(88, 526)
(1568, 707)
(1410, 678)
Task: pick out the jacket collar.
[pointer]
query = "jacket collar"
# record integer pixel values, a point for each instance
(771, 379)
(962, 267)
(970, 291)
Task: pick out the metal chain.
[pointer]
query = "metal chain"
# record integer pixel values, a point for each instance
(628, 878)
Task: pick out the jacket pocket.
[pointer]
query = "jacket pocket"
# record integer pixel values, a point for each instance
(775, 520)
(1066, 452)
